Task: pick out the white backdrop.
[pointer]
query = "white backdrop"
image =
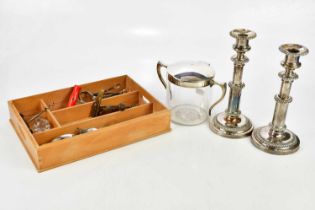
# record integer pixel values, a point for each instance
(51, 44)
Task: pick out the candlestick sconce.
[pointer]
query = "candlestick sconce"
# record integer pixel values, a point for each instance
(275, 138)
(232, 123)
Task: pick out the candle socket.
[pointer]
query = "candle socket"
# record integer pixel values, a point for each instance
(232, 123)
(275, 138)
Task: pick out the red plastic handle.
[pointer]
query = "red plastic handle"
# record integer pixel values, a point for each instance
(74, 96)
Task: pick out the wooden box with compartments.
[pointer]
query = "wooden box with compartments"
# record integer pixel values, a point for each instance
(145, 117)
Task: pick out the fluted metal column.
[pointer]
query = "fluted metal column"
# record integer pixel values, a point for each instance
(276, 138)
(232, 123)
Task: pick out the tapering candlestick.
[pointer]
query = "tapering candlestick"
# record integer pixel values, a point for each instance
(275, 138)
(232, 123)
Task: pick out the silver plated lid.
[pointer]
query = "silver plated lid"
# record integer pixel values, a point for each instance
(191, 74)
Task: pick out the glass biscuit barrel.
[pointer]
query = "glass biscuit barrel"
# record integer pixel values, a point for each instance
(188, 90)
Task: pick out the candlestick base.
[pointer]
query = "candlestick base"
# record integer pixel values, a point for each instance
(243, 127)
(281, 144)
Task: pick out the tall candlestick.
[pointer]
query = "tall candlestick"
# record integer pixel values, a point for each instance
(232, 123)
(275, 138)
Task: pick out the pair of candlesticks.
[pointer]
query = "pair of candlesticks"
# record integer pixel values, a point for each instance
(274, 138)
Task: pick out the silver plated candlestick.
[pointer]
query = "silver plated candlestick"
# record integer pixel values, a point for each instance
(232, 123)
(275, 138)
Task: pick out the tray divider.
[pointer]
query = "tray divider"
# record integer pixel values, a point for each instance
(51, 117)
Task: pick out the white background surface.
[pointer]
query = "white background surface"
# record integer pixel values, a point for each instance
(51, 44)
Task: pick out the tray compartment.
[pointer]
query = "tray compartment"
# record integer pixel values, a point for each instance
(133, 85)
(80, 112)
(31, 109)
(28, 108)
(97, 122)
(58, 99)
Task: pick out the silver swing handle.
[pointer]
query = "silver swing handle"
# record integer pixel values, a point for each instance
(159, 65)
(223, 88)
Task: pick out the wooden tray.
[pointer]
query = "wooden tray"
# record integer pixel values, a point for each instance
(147, 118)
